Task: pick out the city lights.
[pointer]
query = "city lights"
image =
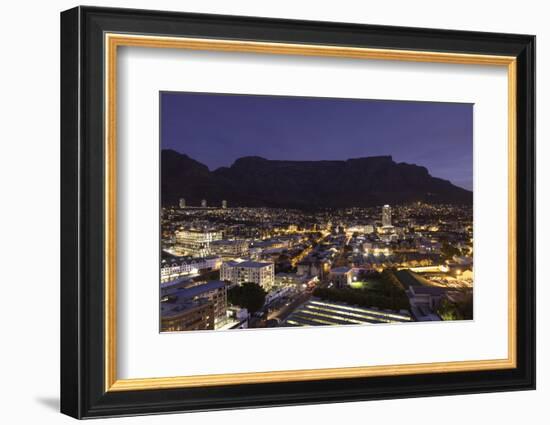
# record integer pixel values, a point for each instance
(351, 266)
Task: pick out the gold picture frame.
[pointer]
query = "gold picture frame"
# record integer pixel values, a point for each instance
(114, 41)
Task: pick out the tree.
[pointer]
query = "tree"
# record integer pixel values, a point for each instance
(387, 296)
(249, 295)
(448, 310)
(461, 309)
(449, 251)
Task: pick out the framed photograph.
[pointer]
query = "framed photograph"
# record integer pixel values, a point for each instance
(261, 212)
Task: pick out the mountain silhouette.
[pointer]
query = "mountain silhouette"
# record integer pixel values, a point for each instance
(258, 182)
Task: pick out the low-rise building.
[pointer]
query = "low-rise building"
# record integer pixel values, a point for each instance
(278, 293)
(293, 279)
(197, 242)
(425, 296)
(187, 316)
(360, 228)
(341, 277)
(175, 267)
(230, 249)
(214, 291)
(237, 318)
(424, 301)
(241, 271)
(314, 267)
(376, 248)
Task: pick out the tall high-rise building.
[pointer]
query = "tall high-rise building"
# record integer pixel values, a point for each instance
(203, 203)
(224, 204)
(182, 202)
(386, 215)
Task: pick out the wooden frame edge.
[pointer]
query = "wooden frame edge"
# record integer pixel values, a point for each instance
(307, 375)
(114, 40)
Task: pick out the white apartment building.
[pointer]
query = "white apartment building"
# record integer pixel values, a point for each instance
(173, 269)
(230, 249)
(341, 277)
(240, 271)
(196, 242)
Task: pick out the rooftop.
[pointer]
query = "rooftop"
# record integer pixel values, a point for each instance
(427, 290)
(340, 270)
(174, 260)
(248, 264)
(229, 242)
(188, 293)
(318, 313)
(408, 278)
(176, 282)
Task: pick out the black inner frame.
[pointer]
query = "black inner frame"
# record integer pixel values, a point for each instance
(82, 212)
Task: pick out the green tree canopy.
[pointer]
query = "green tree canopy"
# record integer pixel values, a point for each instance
(249, 295)
(462, 309)
(449, 250)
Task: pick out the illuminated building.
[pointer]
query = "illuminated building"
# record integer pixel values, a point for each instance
(386, 216)
(368, 228)
(376, 249)
(224, 204)
(278, 293)
(189, 316)
(240, 271)
(203, 203)
(341, 277)
(229, 249)
(197, 241)
(315, 266)
(174, 268)
(214, 291)
(293, 279)
(182, 203)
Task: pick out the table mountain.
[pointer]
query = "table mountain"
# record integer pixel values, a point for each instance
(259, 182)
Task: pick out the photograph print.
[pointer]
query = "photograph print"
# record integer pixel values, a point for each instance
(286, 211)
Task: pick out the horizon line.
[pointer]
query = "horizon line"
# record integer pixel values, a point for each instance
(314, 160)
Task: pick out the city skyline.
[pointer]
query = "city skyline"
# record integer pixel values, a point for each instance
(229, 268)
(438, 136)
(285, 212)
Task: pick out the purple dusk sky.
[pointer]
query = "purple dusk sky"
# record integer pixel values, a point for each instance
(216, 129)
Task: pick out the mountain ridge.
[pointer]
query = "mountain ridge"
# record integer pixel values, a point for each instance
(255, 181)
